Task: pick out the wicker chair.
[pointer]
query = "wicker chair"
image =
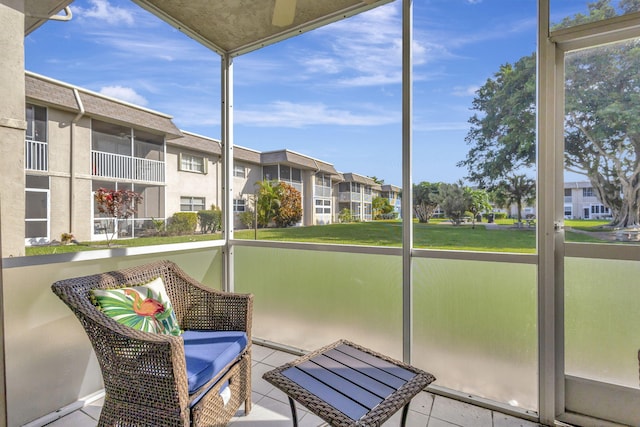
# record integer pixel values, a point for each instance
(145, 374)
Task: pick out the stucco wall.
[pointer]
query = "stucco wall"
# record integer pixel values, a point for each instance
(190, 183)
(12, 126)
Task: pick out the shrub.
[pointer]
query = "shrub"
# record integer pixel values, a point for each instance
(182, 223)
(290, 210)
(247, 218)
(390, 215)
(345, 215)
(210, 220)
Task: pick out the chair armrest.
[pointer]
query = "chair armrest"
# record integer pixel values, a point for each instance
(138, 367)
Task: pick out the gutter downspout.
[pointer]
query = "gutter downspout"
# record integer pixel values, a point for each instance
(64, 18)
(219, 168)
(72, 179)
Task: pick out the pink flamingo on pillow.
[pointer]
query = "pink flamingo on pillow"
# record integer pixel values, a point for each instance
(148, 307)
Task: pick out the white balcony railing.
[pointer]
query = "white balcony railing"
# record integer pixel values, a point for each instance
(320, 191)
(148, 170)
(117, 166)
(36, 156)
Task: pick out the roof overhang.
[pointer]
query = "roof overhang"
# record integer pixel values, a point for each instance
(37, 12)
(235, 27)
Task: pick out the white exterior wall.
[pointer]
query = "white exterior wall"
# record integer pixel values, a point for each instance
(245, 188)
(191, 184)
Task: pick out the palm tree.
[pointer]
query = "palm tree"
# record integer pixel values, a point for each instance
(269, 193)
(518, 189)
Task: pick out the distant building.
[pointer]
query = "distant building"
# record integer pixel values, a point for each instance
(356, 193)
(103, 142)
(581, 202)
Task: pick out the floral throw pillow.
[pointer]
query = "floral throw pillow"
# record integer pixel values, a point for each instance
(145, 307)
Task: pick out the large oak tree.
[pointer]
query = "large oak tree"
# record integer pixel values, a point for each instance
(602, 124)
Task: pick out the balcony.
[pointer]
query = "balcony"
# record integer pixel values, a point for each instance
(36, 156)
(348, 196)
(474, 323)
(118, 166)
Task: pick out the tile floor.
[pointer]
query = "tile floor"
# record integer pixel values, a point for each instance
(271, 406)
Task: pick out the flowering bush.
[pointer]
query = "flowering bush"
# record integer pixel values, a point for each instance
(290, 209)
(116, 204)
(66, 238)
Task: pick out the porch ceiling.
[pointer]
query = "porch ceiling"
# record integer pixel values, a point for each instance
(234, 27)
(37, 12)
(229, 27)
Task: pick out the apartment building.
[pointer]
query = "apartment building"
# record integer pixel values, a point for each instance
(356, 193)
(394, 195)
(78, 141)
(102, 142)
(581, 202)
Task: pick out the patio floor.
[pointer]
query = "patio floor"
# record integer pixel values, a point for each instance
(271, 407)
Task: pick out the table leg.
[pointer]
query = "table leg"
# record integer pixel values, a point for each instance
(405, 411)
(294, 415)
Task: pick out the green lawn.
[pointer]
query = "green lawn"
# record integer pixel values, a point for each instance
(139, 241)
(435, 235)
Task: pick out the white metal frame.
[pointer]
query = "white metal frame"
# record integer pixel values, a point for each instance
(597, 399)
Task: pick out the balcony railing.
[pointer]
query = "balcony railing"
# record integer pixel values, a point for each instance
(36, 155)
(117, 166)
(320, 191)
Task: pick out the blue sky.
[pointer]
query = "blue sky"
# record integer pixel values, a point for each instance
(333, 94)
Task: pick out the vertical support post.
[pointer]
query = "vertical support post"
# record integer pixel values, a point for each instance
(12, 126)
(550, 101)
(226, 94)
(3, 366)
(12, 153)
(407, 191)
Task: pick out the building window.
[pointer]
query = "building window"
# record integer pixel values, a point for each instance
(289, 174)
(36, 209)
(36, 123)
(600, 209)
(239, 205)
(322, 185)
(36, 149)
(323, 206)
(587, 192)
(192, 204)
(568, 212)
(270, 173)
(191, 163)
(239, 171)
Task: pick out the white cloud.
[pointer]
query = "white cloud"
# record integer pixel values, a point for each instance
(440, 126)
(465, 90)
(474, 1)
(102, 10)
(126, 94)
(297, 115)
(365, 50)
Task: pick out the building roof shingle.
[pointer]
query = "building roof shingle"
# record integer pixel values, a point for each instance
(48, 91)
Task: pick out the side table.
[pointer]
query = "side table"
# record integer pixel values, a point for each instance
(348, 385)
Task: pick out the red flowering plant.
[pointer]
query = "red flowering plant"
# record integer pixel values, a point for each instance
(117, 205)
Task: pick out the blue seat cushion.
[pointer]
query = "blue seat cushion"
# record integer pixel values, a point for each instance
(208, 352)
